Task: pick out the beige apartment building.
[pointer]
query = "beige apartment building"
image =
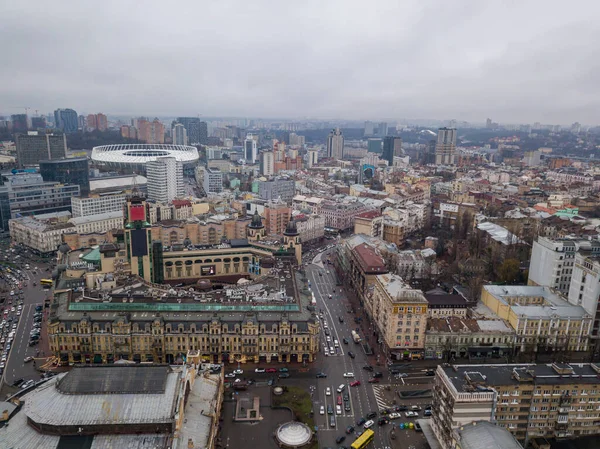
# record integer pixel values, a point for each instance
(399, 314)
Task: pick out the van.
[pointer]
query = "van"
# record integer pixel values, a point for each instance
(341, 388)
(332, 421)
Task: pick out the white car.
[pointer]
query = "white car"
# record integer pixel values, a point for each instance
(238, 371)
(322, 410)
(411, 414)
(369, 423)
(349, 375)
(338, 409)
(230, 375)
(328, 391)
(259, 370)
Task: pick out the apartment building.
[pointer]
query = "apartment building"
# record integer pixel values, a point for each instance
(552, 261)
(542, 320)
(369, 223)
(584, 288)
(399, 315)
(42, 233)
(530, 400)
(341, 215)
(277, 216)
(212, 181)
(96, 205)
(310, 226)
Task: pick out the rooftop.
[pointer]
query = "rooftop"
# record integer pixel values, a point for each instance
(525, 301)
(50, 406)
(398, 290)
(370, 214)
(96, 217)
(116, 182)
(476, 378)
(114, 379)
(370, 261)
(499, 233)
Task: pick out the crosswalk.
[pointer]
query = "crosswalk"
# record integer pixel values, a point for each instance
(380, 397)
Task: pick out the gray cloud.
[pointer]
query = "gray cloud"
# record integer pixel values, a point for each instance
(514, 61)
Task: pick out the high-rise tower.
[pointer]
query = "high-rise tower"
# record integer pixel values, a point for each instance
(445, 148)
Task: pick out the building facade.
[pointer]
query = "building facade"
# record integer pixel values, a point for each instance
(399, 314)
(369, 223)
(392, 147)
(250, 149)
(34, 147)
(43, 234)
(94, 205)
(212, 181)
(165, 179)
(68, 171)
(335, 144)
(179, 134)
(66, 120)
(445, 148)
(340, 215)
(267, 163)
(277, 189)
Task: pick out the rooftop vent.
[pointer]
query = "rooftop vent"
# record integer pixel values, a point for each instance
(562, 368)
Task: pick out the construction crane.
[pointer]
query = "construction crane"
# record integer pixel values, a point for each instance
(27, 108)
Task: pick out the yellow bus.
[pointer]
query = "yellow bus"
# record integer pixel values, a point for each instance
(362, 441)
(46, 282)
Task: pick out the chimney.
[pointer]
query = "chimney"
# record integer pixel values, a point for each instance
(190, 443)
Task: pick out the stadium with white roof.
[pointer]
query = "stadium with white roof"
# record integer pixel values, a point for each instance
(135, 156)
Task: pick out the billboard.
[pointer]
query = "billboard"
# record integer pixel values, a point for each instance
(208, 270)
(139, 243)
(137, 212)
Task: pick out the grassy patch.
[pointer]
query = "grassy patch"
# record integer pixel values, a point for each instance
(298, 400)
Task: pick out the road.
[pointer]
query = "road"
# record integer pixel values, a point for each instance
(362, 398)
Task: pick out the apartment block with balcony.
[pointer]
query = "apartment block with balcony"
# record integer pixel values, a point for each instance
(531, 400)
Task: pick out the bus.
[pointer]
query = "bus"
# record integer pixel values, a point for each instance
(363, 440)
(46, 282)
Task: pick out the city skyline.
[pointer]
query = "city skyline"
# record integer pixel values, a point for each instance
(433, 61)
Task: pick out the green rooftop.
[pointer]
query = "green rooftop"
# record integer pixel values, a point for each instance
(170, 307)
(93, 256)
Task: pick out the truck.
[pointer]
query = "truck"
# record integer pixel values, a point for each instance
(356, 337)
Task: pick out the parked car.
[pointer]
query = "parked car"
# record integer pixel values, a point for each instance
(283, 370)
(284, 375)
(271, 370)
(259, 370)
(418, 427)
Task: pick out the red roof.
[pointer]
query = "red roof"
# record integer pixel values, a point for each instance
(370, 261)
(370, 214)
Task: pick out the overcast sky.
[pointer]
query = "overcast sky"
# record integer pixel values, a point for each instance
(513, 61)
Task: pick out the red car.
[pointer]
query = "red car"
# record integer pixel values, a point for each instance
(373, 380)
(339, 400)
(271, 370)
(356, 383)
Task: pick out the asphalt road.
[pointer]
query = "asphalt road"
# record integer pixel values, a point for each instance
(362, 398)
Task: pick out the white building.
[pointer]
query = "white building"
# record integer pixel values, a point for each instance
(250, 149)
(552, 261)
(98, 223)
(42, 233)
(82, 207)
(179, 135)
(584, 290)
(213, 181)
(165, 179)
(335, 144)
(267, 163)
(445, 148)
